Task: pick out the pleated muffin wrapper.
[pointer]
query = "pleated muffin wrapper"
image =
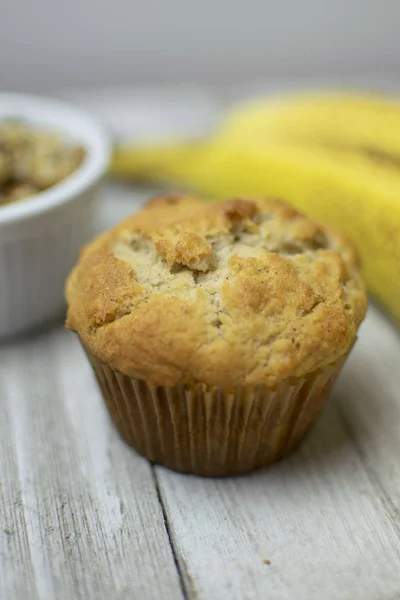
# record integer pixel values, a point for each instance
(212, 431)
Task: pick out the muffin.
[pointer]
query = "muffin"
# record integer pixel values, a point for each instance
(216, 330)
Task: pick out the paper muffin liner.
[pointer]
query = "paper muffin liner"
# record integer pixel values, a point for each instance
(212, 431)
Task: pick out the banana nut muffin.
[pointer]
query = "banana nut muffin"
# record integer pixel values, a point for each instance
(216, 329)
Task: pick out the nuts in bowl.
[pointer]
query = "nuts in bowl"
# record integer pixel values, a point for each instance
(53, 159)
(32, 159)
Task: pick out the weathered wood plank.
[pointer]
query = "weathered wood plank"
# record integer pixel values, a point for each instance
(325, 517)
(80, 515)
(373, 417)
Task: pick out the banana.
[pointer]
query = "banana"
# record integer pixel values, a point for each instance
(334, 156)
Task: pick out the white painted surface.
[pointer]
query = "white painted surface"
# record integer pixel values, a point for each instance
(83, 517)
(97, 42)
(80, 516)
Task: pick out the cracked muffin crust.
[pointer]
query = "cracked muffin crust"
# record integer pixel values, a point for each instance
(243, 292)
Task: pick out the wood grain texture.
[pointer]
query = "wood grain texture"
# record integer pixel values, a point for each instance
(79, 511)
(82, 516)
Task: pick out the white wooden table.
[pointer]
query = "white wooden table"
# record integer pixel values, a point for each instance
(83, 517)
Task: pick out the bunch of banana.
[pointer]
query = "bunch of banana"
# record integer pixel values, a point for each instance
(335, 156)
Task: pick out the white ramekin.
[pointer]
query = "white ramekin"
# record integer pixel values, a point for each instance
(40, 237)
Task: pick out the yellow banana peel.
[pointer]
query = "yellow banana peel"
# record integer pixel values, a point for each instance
(335, 156)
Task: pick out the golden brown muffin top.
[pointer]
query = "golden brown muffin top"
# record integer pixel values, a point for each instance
(232, 293)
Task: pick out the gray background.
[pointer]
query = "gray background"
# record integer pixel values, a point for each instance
(46, 44)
